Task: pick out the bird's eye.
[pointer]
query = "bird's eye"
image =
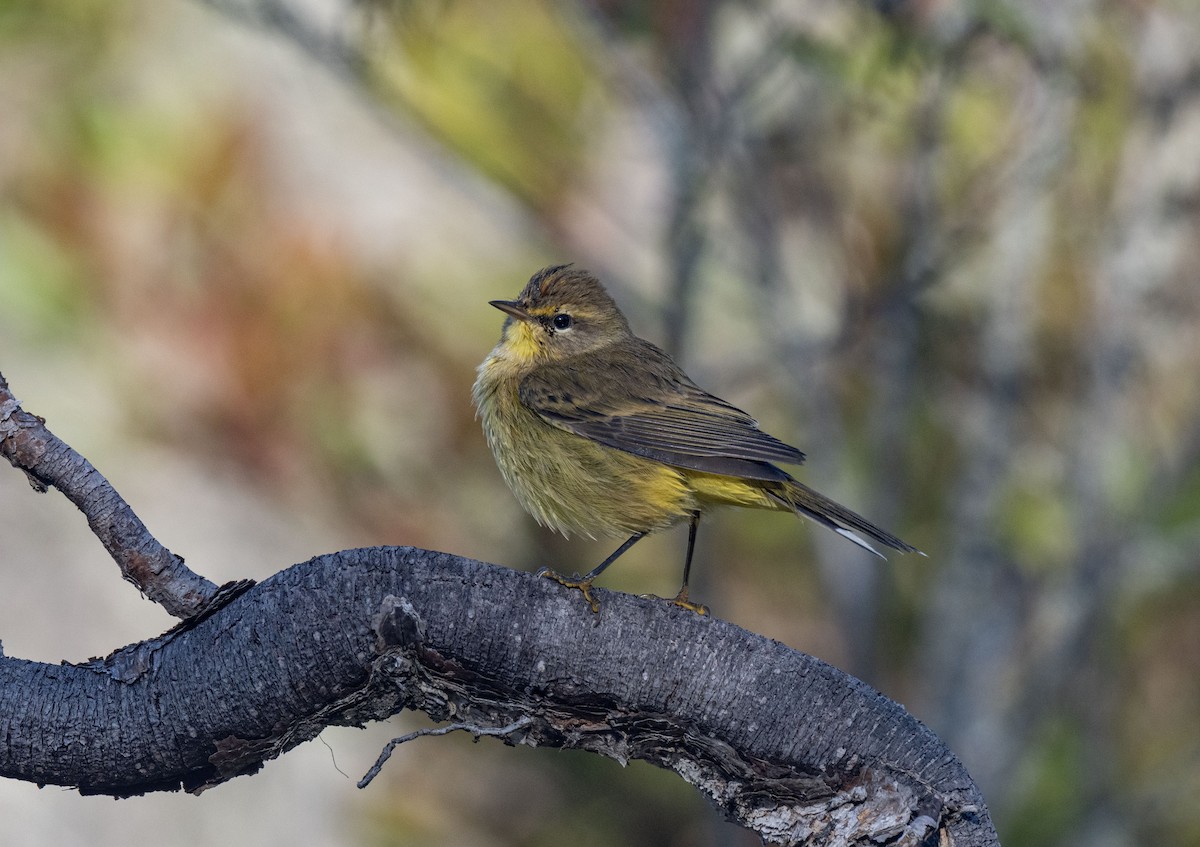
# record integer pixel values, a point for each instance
(562, 321)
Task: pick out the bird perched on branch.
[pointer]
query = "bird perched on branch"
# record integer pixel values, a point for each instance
(598, 431)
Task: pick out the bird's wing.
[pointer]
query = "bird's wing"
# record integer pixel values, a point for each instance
(639, 401)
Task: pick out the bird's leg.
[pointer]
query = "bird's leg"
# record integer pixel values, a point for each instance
(584, 583)
(681, 599)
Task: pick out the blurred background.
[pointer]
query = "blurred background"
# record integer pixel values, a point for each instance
(949, 249)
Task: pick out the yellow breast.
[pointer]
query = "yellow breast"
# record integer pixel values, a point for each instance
(567, 482)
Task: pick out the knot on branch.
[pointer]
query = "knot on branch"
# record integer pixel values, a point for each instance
(397, 625)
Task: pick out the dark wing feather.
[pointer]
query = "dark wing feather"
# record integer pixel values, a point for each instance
(634, 398)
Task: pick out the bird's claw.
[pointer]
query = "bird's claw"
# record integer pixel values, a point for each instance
(582, 584)
(681, 600)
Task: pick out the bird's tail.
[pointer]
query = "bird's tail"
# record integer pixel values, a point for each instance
(804, 501)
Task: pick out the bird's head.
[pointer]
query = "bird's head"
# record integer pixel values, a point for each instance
(562, 312)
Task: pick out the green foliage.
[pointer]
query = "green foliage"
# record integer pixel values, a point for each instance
(1049, 803)
(509, 87)
(42, 294)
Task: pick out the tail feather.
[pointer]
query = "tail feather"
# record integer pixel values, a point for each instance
(846, 523)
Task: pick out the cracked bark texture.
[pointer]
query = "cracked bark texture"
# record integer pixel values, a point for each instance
(779, 741)
(48, 461)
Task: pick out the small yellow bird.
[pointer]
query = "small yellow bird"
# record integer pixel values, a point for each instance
(598, 431)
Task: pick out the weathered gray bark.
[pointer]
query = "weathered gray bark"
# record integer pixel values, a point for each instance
(144, 561)
(781, 742)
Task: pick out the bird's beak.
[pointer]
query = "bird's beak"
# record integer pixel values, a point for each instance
(510, 307)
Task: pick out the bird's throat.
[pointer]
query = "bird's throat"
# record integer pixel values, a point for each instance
(522, 343)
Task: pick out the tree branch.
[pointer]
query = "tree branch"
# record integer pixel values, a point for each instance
(156, 571)
(779, 741)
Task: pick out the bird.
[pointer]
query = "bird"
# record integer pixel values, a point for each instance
(600, 432)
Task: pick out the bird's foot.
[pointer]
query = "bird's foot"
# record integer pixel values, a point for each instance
(582, 584)
(681, 600)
